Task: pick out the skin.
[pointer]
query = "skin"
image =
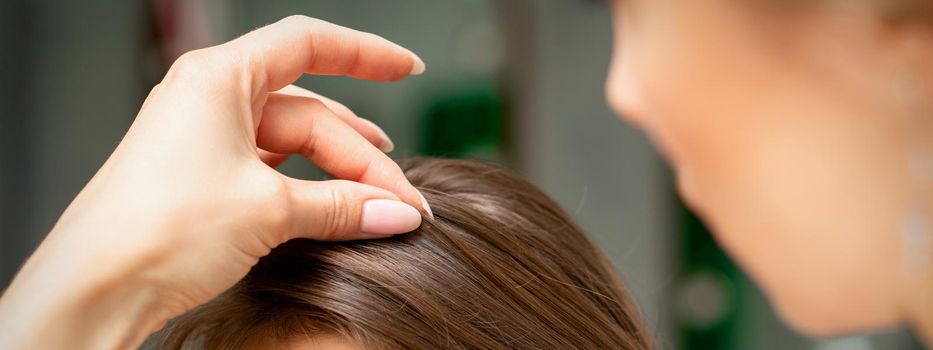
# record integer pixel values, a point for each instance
(189, 200)
(790, 141)
(795, 152)
(785, 128)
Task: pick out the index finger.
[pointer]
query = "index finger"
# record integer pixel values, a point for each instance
(278, 54)
(298, 124)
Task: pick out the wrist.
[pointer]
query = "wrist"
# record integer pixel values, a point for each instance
(77, 300)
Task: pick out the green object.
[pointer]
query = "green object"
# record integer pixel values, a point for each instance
(707, 277)
(466, 121)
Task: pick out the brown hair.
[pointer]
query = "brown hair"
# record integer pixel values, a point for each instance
(500, 267)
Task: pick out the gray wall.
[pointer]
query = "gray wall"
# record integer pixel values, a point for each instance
(435, 30)
(607, 174)
(70, 90)
(599, 168)
(72, 77)
(568, 142)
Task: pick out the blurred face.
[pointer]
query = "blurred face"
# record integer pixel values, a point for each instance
(784, 140)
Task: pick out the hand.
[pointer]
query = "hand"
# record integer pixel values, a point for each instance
(189, 200)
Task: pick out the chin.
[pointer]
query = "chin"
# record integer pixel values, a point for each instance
(812, 324)
(842, 314)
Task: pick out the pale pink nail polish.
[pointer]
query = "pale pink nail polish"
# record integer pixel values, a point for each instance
(418, 67)
(384, 216)
(424, 204)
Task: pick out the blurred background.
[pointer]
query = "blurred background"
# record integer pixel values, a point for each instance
(516, 82)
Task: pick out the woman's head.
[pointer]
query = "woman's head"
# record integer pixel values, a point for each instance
(790, 125)
(500, 267)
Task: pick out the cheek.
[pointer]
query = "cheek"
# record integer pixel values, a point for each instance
(801, 196)
(797, 191)
(807, 216)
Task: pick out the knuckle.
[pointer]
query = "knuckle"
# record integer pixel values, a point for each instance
(304, 25)
(338, 108)
(389, 167)
(319, 113)
(296, 19)
(191, 62)
(300, 20)
(207, 64)
(273, 200)
(313, 104)
(337, 219)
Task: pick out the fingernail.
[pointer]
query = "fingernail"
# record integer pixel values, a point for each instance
(386, 145)
(385, 217)
(419, 67)
(424, 204)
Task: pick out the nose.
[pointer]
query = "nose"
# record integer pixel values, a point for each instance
(624, 92)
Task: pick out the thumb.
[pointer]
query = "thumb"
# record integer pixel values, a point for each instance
(337, 210)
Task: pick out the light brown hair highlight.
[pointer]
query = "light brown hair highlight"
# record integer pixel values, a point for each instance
(500, 267)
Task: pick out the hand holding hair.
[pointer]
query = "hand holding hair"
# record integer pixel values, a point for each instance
(189, 200)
